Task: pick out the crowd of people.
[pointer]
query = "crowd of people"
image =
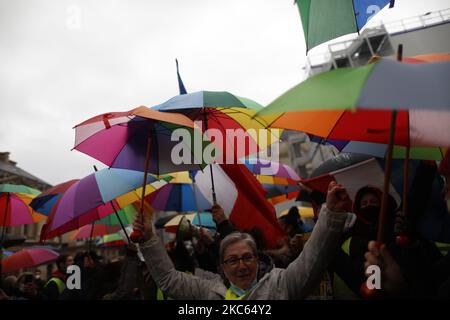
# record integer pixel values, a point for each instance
(327, 260)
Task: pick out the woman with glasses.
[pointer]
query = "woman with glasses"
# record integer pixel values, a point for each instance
(239, 262)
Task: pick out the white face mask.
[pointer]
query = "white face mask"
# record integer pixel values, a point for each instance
(38, 276)
(189, 247)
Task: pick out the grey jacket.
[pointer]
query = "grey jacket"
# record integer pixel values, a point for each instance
(294, 282)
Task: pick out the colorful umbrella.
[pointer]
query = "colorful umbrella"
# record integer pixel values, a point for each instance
(111, 240)
(224, 115)
(351, 103)
(97, 195)
(121, 140)
(126, 216)
(262, 167)
(14, 207)
(180, 197)
(305, 212)
(28, 258)
(203, 219)
(223, 111)
(277, 178)
(324, 20)
(93, 230)
(19, 188)
(355, 103)
(380, 149)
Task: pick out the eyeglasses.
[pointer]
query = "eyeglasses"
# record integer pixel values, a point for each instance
(234, 261)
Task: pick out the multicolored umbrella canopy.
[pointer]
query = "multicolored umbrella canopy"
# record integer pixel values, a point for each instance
(305, 212)
(126, 216)
(93, 230)
(111, 240)
(277, 178)
(28, 258)
(354, 103)
(184, 195)
(14, 205)
(180, 197)
(263, 167)
(277, 186)
(80, 202)
(379, 149)
(203, 219)
(323, 20)
(19, 188)
(224, 111)
(120, 139)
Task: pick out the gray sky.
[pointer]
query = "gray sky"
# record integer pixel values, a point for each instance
(64, 61)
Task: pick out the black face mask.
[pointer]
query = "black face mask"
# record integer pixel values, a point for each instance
(370, 213)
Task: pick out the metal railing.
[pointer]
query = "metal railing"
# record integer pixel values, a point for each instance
(346, 49)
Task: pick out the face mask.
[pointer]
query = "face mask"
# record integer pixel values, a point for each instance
(370, 213)
(189, 247)
(37, 276)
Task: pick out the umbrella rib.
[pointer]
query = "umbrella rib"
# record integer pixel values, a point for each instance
(257, 119)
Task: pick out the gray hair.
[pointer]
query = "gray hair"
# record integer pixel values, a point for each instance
(236, 237)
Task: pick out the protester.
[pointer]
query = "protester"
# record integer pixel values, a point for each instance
(239, 262)
(57, 282)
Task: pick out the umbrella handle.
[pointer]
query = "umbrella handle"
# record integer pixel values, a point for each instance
(137, 236)
(402, 239)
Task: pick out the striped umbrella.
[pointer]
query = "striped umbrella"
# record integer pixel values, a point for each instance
(28, 258)
(80, 202)
(384, 102)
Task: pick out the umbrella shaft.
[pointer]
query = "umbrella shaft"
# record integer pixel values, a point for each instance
(144, 183)
(387, 179)
(205, 120)
(405, 182)
(120, 221)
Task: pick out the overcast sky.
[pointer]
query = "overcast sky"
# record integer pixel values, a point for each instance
(62, 62)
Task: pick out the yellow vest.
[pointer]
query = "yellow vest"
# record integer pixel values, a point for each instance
(340, 289)
(59, 283)
(230, 295)
(443, 247)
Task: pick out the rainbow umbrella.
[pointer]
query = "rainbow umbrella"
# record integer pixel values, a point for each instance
(80, 202)
(379, 149)
(384, 102)
(139, 139)
(353, 104)
(180, 197)
(223, 111)
(226, 114)
(111, 240)
(14, 207)
(28, 258)
(203, 219)
(126, 216)
(277, 178)
(262, 167)
(305, 212)
(93, 230)
(277, 186)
